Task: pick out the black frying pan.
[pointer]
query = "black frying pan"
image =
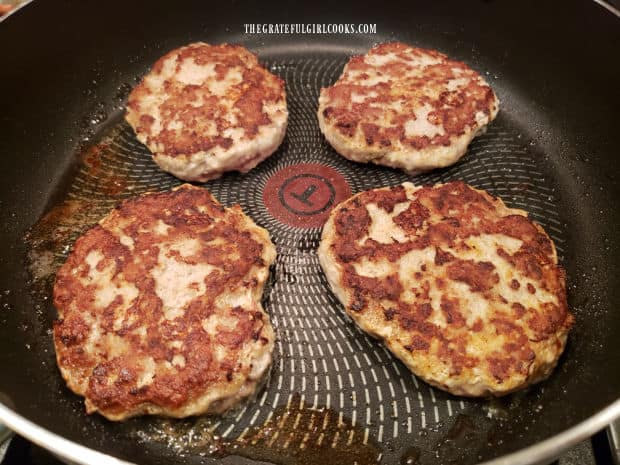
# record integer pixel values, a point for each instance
(66, 68)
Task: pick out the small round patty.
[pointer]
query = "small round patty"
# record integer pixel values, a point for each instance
(467, 292)
(406, 108)
(206, 109)
(159, 308)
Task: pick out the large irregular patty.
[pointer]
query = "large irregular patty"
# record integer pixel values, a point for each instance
(205, 109)
(159, 308)
(405, 107)
(464, 290)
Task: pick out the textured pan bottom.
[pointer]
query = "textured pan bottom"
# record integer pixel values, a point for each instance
(332, 388)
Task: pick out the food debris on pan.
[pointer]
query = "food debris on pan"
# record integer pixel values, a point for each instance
(320, 355)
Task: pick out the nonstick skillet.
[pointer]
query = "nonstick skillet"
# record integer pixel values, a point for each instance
(334, 395)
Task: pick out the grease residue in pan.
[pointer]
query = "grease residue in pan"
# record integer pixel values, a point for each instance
(334, 394)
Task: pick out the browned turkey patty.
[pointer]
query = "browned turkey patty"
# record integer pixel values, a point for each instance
(159, 307)
(206, 109)
(405, 107)
(464, 290)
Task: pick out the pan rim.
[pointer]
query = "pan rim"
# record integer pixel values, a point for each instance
(549, 449)
(537, 453)
(609, 7)
(15, 10)
(55, 443)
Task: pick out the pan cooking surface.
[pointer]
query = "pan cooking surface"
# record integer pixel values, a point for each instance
(552, 151)
(332, 391)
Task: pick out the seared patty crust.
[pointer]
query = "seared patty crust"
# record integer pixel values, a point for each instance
(159, 307)
(405, 107)
(206, 109)
(467, 292)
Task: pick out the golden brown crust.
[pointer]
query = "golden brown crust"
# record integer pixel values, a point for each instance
(466, 267)
(212, 107)
(105, 345)
(454, 110)
(405, 107)
(257, 88)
